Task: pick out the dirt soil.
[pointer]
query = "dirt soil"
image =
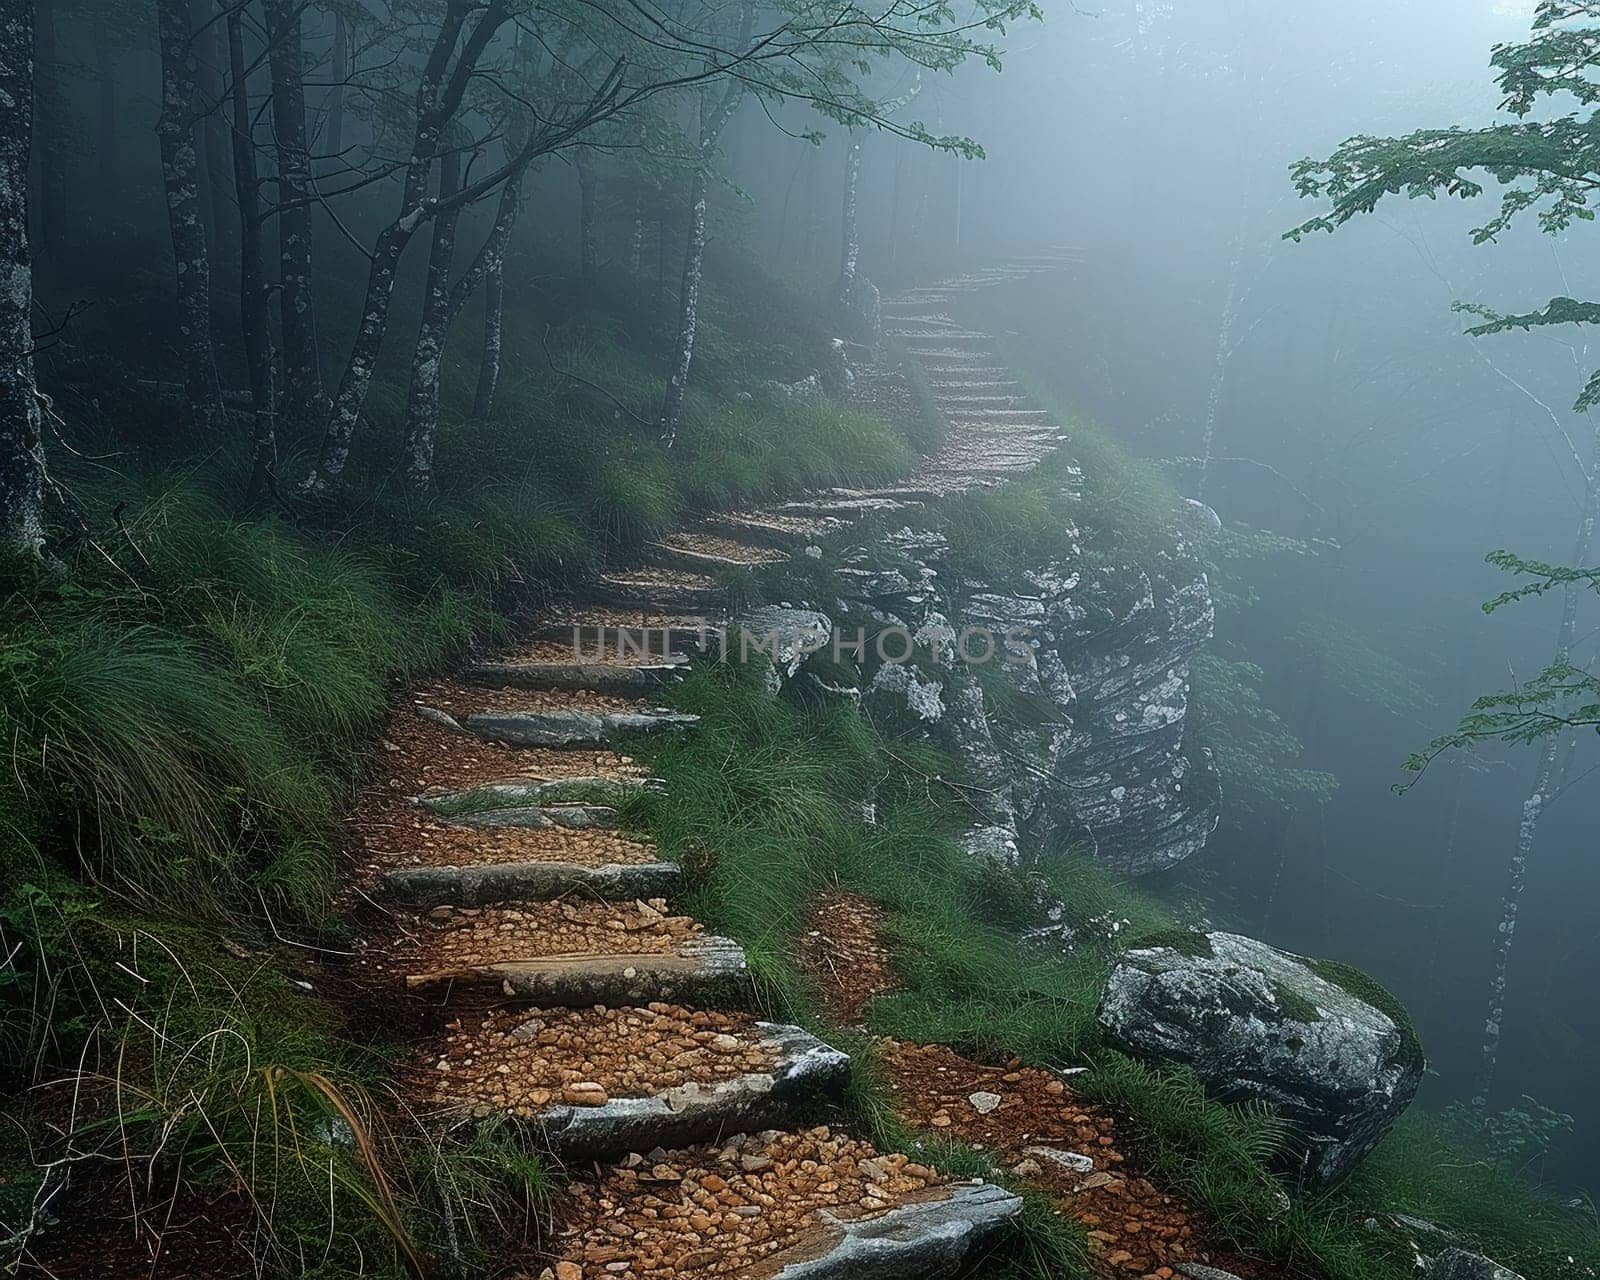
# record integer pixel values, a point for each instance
(1027, 1117)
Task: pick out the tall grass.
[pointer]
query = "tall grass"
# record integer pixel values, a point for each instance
(766, 810)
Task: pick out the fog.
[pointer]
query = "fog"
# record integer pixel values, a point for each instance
(1318, 391)
(1349, 411)
(1158, 138)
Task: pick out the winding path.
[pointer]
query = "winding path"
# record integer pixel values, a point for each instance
(551, 978)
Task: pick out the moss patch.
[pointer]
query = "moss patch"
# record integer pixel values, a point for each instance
(1295, 1007)
(1364, 987)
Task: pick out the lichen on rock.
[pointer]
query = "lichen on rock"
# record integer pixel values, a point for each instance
(1256, 1023)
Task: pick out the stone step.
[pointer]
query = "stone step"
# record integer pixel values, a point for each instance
(915, 337)
(599, 675)
(668, 590)
(954, 359)
(938, 374)
(486, 884)
(551, 796)
(705, 971)
(946, 354)
(559, 728)
(894, 493)
(597, 1083)
(607, 633)
(776, 1206)
(850, 507)
(784, 531)
(959, 404)
(700, 550)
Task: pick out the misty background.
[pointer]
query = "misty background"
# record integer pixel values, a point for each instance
(1350, 415)
(1384, 452)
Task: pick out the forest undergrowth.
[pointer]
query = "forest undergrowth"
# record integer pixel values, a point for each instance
(187, 715)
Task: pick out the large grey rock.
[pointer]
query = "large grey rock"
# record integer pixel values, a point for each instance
(1459, 1264)
(1253, 1022)
(784, 633)
(1113, 656)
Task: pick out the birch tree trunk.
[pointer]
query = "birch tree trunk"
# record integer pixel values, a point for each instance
(437, 102)
(490, 269)
(422, 401)
(1539, 796)
(849, 225)
(175, 131)
(715, 112)
(302, 372)
(588, 246)
(494, 318)
(253, 314)
(22, 469)
(688, 309)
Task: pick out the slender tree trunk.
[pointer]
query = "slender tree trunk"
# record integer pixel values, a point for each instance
(179, 166)
(437, 103)
(688, 309)
(1539, 795)
(849, 224)
(212, 134)
(494, 318)
(660, 303)
(253, 313)
(47, 80)
(490, 268)
(334, 139)
(636, 240)
(714, 116)
(588, 242)
(22, 468)
(302, 372)
(105, 65)
(422, 402)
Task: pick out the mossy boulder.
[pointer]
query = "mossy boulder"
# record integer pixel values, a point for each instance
(1331, 1050)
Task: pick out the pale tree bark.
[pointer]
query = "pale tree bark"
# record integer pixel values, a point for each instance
(438, 98)
(179, 165)
(422, 401)
(253, 312)
(494, 324)
(490, 268)
(716, 109)
(22, 465)
(849, 223)
(1538, 800)
(588, 243)
(688, 309)
(302, 373)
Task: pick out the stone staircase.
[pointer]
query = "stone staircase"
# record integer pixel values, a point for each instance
(537, 943)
